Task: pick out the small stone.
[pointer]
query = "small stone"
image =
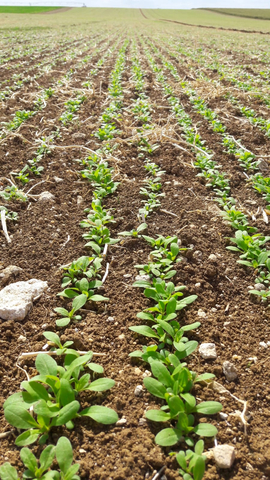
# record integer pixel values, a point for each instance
(139, 278)
(224, 456)
(201, 313)
(212, 257)
(46, 197)
(137, 371)
(263, 344)
(223, 416)
(121, 421)
(249, 467)
(197, 285)
(22, 338)
(8, 273)
(208, 351)
(138, 391)
(147, 374)
(142, 422)
(110, 319)
(121, 337)
(44, 325)
(58, 179)
(79, 200)
(81, 450)
(229, 371)
(17, 298)
(127, 275)
(259, 287)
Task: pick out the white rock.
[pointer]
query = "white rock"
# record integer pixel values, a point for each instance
(110, 319)
(259, 287)
(137, 371)
(138, 391)
(229, 371)
(21, 339)
(121, 422)
(147, 374)
(81, 450)
(121, 337)
(212, 257)
(263, 344)
(79, 200)
(201, 313)
(58, 179)
(139, 278)
(8, 273)
(223, 416)
(46, 197)
(17, 298)
(208, 350)
(142, 421)
(224, 456)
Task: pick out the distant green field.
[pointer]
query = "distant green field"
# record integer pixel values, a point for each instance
(5, 9)
(262, 13)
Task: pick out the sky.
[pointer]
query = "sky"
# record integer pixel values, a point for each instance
(181, 4)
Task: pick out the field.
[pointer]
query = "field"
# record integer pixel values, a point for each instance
(134, 181)
(212, 17)
(28, 10)
(261, 13)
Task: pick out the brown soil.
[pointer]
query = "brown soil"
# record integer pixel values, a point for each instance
(232, 321)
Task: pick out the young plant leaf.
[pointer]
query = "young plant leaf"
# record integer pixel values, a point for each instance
(100, 414)
(168, 437)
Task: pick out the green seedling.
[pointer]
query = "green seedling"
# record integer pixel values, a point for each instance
(180, 405)
(56, 345)
(192, 464)
(41, 469)
(135, 232)
(78, 302)
(49, 399)
(13, 193)
(254, 255)
(9, 214)
(84, 287)
(83, 267)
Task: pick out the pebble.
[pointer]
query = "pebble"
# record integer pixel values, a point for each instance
(8, 273)
(22, 338)
(138, 391)
(212, 257)
(147, 374)
(58, 179)
(229, 371)
(259, 287)
(224, 456)
(142, 277)
(137, 371)
(208, 350)
(264, 344)
(223, 416)
(46, 197)
(201, 313)
(121, 337)
(110, 319)
(81, 450)
(142, 421)
(121, 421)
(79, 200)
